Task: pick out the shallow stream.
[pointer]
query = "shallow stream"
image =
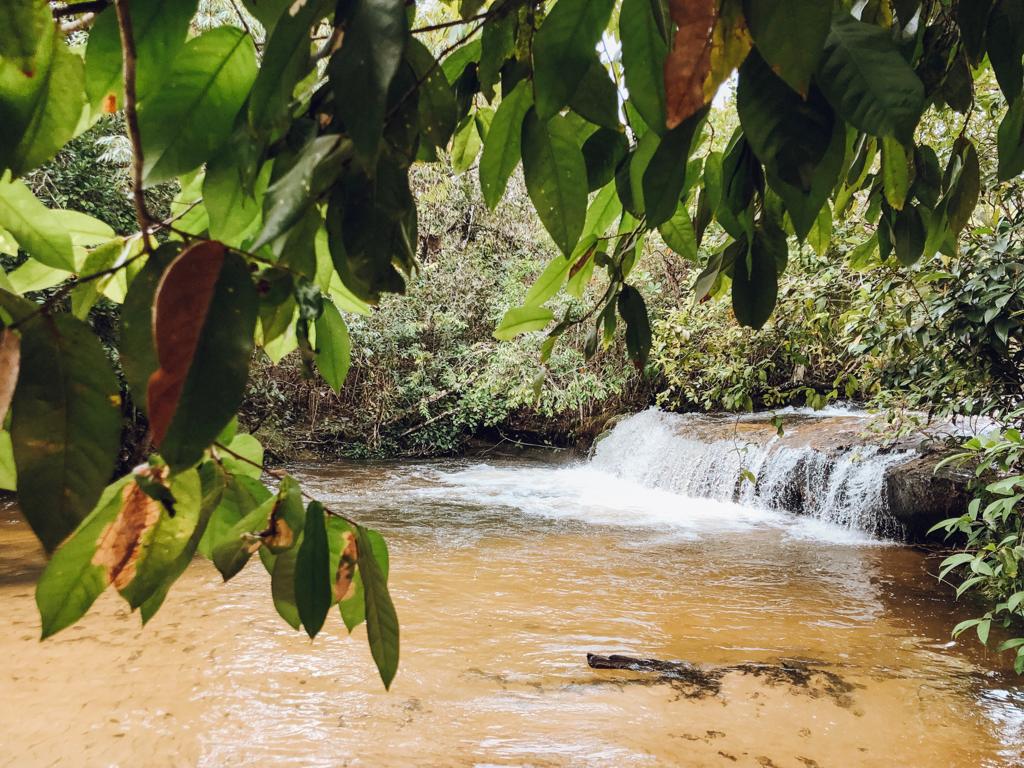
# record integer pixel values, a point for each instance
(505, 574)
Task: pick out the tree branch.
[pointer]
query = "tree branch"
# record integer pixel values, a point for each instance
(95, 6)
(279, 477)
(124, 23)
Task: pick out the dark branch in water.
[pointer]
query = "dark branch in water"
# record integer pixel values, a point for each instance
(697, 681)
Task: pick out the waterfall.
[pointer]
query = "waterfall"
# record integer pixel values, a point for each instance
(807, 471)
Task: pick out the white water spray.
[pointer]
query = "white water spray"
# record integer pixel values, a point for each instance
(697, 457)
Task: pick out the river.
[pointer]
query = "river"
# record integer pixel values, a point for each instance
(505, 574)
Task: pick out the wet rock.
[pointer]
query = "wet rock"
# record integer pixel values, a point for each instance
(919, 497)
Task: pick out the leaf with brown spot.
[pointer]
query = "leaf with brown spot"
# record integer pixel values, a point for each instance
(72, 582)
(286, 519)
(344, 588)
(10, 358)
(204, 315)
(120, 543)
(688, 64)
(730, 44)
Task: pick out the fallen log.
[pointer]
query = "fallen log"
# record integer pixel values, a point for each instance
(698, 681)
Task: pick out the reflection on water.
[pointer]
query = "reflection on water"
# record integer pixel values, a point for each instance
(504, 577)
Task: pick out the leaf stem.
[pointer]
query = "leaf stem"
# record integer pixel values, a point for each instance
(124, 24)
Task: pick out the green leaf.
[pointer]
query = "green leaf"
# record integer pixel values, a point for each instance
(638, 327)
(497, 44)
(522, 320)
(455, 63)
(313, 593)
(268, 12)
(26, 23)
(251, 452)
(563, 49)
(664, 177)
(381, 620)
(1005, 38)
(84, 296)
(353, 607)
(790, 36)
(232, 550)
(71, 581)
(789, 134)
(604, 209)
(868, 82)
(8, 472)
(556, 178)
(212, 484)
(286, 61)
(755, 279)
(633, 172)
(333, 347)
(804, 207)
(972, 19)
(549, 281)
(895, 172)
(908, 235)
(820, 236)
(66, 424)
(234, 213)
(437, 108)
(159, 30)
(136, 351)
(371, 236)
(1011, 141)
(465, 145)
(214, 371)
(182, 126)
(603, 151)
(964, 185)
(643, 54)
(34, 226)
(242, 494)
(282, 585)
(39, 109)
(596, 98)
(502, 148)
(678, 233)
(292, 193)
(362, 70)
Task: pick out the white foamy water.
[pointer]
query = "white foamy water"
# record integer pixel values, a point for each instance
(845, 487)
(652, 471)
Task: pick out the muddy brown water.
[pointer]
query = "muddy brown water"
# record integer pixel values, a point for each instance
(505, 575)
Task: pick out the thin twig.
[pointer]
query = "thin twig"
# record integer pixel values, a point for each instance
(83, 22)
(59, 295)
(131, 116)
(449, 24)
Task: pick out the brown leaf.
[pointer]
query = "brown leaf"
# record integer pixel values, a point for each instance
(689, 62)
(179, 311)
(343, 586)
(120, 544)
(10, 360)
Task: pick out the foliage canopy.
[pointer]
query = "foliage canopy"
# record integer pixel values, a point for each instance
(290, 132)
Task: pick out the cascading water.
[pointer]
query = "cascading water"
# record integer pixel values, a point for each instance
(744, 461)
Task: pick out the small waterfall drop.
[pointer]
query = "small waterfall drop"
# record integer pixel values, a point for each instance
(744, 460)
